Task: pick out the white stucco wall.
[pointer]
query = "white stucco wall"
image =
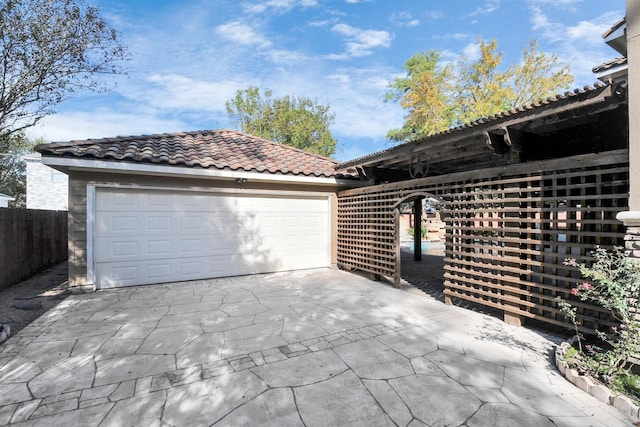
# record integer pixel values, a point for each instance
(46, 188)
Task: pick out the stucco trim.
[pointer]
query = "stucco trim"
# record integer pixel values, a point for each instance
(629, 218)
(177, 171)
(91, 203)
(241, 191)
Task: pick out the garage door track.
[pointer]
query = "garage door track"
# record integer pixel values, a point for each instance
(320, 347)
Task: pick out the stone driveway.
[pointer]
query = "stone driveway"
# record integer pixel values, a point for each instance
(321, 347)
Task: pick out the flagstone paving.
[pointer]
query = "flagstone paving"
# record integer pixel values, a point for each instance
(314, 348)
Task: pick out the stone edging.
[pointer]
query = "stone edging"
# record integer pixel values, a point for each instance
(5, 332)
(591, 386)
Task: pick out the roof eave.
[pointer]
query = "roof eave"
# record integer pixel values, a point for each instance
(478, 128)
(616, 37)
(69, 164)
(613, 74)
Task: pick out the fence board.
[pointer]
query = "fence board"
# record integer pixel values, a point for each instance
(30, 241)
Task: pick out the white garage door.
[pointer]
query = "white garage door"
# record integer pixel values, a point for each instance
(148, 236)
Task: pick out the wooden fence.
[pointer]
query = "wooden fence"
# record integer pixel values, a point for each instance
(508, 230)
(30, 241)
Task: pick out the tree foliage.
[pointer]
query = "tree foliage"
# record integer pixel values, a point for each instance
(296, 121)
(49, 50)
(12, 166)
(438, 96)
(425, 94)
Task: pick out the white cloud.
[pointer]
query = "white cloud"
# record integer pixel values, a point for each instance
(179, 92)
(367, 117)
(323, 23)
(342, 79)
(471, 51)
(585, 32)
(286, 57)
(102, 123)
(568, 5)
(557, 2)
(580, 45)
(241, 33)
(356, 96)
(360, 42)
(404, 19)
(278, 5)
(454, 36)
(433, 14)
(488, 7)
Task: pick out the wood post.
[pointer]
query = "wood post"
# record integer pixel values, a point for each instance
(396, 238)
(417, 229)
(512, 319)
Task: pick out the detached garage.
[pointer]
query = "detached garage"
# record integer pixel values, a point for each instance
(197, 205)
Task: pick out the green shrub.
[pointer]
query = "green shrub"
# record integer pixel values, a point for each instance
(613, 284)
(423, 231)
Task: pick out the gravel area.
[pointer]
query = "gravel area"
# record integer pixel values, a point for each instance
(24, 302)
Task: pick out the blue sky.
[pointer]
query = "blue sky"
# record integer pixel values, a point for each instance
(189, 57)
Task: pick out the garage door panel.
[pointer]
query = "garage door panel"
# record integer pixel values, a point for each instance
(119, 224)
(189, 247)
(193, 222)
(137, 248)
(159, 248)
(115, 248)
(116, 223)
(125, 249)
(191, 267)
(118, 201)
(144, 223)
(157, 201)
(159, 272)
(125, 274)
(162, 236)
(158, 223)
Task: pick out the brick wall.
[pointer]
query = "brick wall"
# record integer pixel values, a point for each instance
(46, 187)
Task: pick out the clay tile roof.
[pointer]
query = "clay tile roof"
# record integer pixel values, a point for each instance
(610, 64)
(210, 149)
(618, 24)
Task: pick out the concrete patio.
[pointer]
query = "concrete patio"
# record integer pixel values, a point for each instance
(321, 347)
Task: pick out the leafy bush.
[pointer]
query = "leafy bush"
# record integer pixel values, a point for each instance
(613, 284)
(423, 231)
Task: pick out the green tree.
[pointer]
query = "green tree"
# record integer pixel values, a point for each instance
(12, 166)
(482, 90)
(296, 121)
(425, 94)
(438, 97)
(49, 50)
(538, 76)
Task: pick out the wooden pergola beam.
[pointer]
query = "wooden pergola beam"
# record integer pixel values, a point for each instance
(474, 134)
